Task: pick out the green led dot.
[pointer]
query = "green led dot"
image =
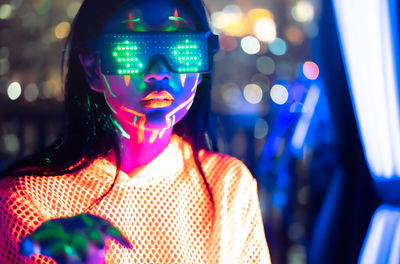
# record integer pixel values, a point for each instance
(119, 59)
(187, 58)
(187, 52)
(187, 47)
(140, 65)
(136, 71)
(119, 71)
(123, 48)
(175, 52)
(127, 54)
(187, 41)
(127, 42)
(195, 46)
(135, 48)
(195, 69)
(136, 59)
(118, 48)
(195, 58)
(128, 65)
(123, 71)
(115, 54)
(131, 48)
(191, 58)
(199, 63)
(187, 63)
(190, 46)
(179, 47)
(183, 58)
(131, 59)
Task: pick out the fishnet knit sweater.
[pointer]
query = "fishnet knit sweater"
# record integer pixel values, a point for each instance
(164, 210)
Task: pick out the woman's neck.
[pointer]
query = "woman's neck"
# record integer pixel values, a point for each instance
(138, 147)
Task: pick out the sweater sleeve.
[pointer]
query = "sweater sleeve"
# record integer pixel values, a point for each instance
(238, 232)
(255, 249)
(19, 216)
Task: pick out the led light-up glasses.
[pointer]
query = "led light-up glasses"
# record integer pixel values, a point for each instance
(131, 53)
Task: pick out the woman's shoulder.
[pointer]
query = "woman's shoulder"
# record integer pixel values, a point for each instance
(224, 171)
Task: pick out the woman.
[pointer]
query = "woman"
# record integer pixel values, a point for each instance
(124, 162)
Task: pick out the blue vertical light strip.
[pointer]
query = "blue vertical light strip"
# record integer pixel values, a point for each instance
(367, 43)
(369, 36)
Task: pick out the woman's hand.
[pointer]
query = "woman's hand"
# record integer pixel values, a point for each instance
(77, 239)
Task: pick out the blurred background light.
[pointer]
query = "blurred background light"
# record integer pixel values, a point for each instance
(11, 143)
(72, 8)
(294, 35)
(42, 6)
(31, 92)
(259, 13)
(265, 65)
(303, 12)
(231, 94)
(310, 70)
(277, 47)
(279, 94)
(4, 66)
(260, 128)
(62, 30)
(14, 90)
(253, 93)
(5, 11)
(265, 29)
(250, 45)
(227, 43)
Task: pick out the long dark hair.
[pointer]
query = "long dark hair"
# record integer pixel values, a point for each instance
(89, 130)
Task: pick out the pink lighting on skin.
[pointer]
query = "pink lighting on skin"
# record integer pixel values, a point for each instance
(145, 131)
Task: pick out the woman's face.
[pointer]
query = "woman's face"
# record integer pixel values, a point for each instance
(158, 98)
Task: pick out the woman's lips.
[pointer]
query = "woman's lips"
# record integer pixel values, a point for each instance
(157, 100)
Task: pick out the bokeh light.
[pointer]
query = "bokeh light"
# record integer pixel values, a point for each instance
(73, 8)
(5, 11)
(265, 65)
(42, 6)
(260, 128)
(62, 30)
(259, 13)
(279, 94)
(303, 12)
(277, 47)
(14, 90)
(250, 45)
(253, 93)
(4, 66)
(310, 70)
(294, 35)
(11, 143)
(231, 94)
(311, 29)
(31, 92)
(227, 43)
(261, 80)
(265, 29)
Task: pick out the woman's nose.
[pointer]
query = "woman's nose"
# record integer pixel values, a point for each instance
(157, 71)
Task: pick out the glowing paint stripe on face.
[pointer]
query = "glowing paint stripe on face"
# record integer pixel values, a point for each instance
(108, 86)
(123, 132)
(174, 111)
(183, 79)
(195, 84)
(142, 121)
(127, 79)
